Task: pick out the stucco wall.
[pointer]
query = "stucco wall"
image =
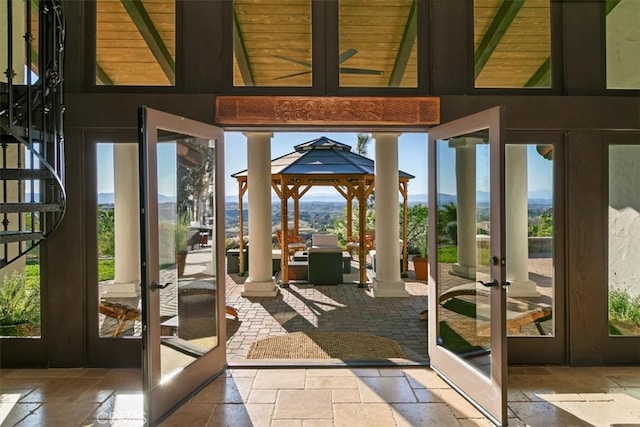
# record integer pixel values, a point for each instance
(624, 217)
(623, 43)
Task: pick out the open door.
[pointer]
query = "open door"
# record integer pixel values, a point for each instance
(182, 248)
(467, 277)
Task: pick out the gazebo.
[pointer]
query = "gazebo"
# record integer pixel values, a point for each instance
(323, 162)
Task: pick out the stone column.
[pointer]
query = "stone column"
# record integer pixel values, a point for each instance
(387, 282)
(466, 221)
(126, 282)
(260, 282)
(516, 223)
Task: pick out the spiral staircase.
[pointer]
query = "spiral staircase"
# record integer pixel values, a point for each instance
(32, 193)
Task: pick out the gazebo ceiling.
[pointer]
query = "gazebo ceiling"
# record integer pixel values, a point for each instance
(136, 42)
(322, 159)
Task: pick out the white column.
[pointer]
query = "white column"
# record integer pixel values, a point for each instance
(387, 282)
(466, 221)
(260, 282)
(126, 282)
(516, 223)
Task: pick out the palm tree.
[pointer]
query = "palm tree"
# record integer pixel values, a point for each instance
(361, 148)
(363, 141)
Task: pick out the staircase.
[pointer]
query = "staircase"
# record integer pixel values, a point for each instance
(32, 193)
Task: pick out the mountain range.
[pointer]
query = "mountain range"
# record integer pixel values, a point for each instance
(536, 196)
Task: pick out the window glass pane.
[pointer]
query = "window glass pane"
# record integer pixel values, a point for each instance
(20, 294)
(272, 43)
(378, 46)
(623, 44)
(464, 239)
(19, 24)
(118, 240)
(135, 42)
(512, 43)
(529, 239)
(624, 246)
(20, 278)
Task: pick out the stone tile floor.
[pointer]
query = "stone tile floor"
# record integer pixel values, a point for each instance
(385, 397)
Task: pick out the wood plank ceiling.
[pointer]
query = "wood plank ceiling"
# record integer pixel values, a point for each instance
(272, 42)
(135, 42)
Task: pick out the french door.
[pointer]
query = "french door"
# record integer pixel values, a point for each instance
(467, 277)
(182, 248)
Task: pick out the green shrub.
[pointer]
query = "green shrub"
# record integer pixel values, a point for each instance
(623, 306)
(448, 254)
(106, 231)
(106, 269)
(19, 301)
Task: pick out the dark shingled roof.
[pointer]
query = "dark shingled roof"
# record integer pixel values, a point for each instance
(322, 156)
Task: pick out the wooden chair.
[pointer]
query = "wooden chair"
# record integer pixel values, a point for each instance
(294, 243)
(120, 312)
(353, 242)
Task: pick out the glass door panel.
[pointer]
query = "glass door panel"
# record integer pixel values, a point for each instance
(529, 222)
(182, 298)
(624, 248)
(467, 334)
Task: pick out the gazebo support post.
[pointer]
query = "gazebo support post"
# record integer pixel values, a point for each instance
(362, 219)
(241, 191)
(349, 214)
(405, 219)
(296, 210)
(284, 231)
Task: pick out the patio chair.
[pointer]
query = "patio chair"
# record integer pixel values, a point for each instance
(353, 242)
(325, 260)
(294, 243)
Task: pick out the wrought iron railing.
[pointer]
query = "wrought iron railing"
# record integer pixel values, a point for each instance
(31, 125)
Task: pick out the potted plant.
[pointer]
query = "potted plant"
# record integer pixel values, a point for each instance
(19, 306)
(421, 263)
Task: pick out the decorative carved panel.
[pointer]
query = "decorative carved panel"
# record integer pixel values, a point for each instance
(333, 111)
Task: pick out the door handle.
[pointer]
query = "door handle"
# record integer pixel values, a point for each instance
(491, 284)
(155, 285)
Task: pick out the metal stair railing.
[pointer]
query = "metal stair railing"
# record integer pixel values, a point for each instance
(31, 130)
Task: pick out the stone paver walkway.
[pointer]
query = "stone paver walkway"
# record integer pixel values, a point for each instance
(341, 308)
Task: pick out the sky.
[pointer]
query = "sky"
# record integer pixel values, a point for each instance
(412, 158)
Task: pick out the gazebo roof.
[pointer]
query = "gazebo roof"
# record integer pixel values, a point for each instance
(322, 156)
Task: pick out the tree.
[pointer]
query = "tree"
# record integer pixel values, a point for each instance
(362, 143)
(448, 223)
(361, 148)
(417, 226)
(339, 226)
(194, 182)
(544, 226)
(106, 231)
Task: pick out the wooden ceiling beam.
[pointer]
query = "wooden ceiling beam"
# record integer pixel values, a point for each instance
(103, 76)
(498, 27)
(406, 45)
(240, 50)
(151, 36)
(543, 73)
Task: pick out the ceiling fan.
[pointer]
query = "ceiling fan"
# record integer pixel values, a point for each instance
(343, 70)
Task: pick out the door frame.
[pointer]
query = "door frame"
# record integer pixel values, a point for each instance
(488, 394)
(111, 352)
(160, 399)
(548, 350)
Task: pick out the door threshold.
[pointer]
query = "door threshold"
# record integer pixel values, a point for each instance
(324, 363)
